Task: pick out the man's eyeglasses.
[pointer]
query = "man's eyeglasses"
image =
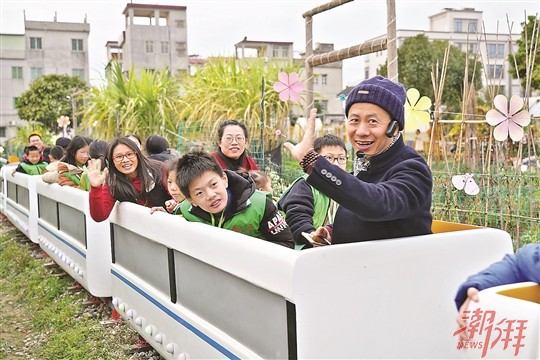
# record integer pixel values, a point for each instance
(229, 139)
(340, 159)
(118, 158)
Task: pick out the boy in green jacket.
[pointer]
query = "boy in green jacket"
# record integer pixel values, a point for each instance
(33, 163)
(307, 208)
(228, 200)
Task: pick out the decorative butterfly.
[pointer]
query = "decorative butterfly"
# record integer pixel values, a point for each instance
(466, 183)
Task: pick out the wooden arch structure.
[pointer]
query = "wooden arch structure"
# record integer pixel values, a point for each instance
(385, 43)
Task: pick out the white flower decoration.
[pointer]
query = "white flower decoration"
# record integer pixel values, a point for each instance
(508, 119)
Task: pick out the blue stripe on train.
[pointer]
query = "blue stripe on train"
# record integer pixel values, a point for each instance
(183, 322)
(83, 254)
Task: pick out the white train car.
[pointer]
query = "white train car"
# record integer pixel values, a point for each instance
(20, 205)
(67, 233)
(198, 292)
(2, 192)
(58, 218)
(195, 291)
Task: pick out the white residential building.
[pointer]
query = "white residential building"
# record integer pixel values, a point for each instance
(46, 47)
(463, 28)
(155, 38)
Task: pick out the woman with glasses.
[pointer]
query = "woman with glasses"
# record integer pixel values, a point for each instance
(307, 208)
(232, 153)
(129, 176)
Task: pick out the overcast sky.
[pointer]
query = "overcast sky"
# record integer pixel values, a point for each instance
(214, 26)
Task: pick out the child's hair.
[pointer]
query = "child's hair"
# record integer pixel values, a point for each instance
(137, 137)
(98, 150)
(328, 140)
(30, 148)
(171, 165)
(260, 177)
(156, 144)
(57, 153)
(63, 142)
(193, 165)
(88, 139)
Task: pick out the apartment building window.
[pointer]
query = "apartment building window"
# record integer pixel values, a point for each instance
(2, 131)
(181, 48)
(16, 72)
(284, 52)
(15, 101)
(164, 47)
(35, 43)
(458, 25)
(35, 72)
(495, 71)
(473, 48)
(324, 79)
(78, 73)
(495, 51)
(77, 45)
(149, 45)
(180, 23)
(315, 80)
(472, 26)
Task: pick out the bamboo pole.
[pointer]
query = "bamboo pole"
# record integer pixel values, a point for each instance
(308, 66)
(392, 56)
(322, 8)
(337, 55)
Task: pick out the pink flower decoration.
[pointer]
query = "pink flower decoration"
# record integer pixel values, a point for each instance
(508, 119)
(279, 133)
(63, 121)
(289, 86)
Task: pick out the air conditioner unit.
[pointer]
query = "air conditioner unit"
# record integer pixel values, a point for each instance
(12, 123)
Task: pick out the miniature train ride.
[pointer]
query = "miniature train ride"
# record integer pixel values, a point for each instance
(195, 291)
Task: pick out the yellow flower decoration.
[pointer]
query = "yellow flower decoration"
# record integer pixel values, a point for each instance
(416, 111)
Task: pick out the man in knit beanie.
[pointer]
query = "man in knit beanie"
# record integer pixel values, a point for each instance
(388, 195)
(375, 114)
(383, 92)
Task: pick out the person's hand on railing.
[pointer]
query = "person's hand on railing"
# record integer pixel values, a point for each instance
(472, 295)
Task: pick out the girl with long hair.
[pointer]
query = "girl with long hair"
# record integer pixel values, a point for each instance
(129, 176)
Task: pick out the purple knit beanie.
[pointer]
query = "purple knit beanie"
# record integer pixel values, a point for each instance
(383, 92)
